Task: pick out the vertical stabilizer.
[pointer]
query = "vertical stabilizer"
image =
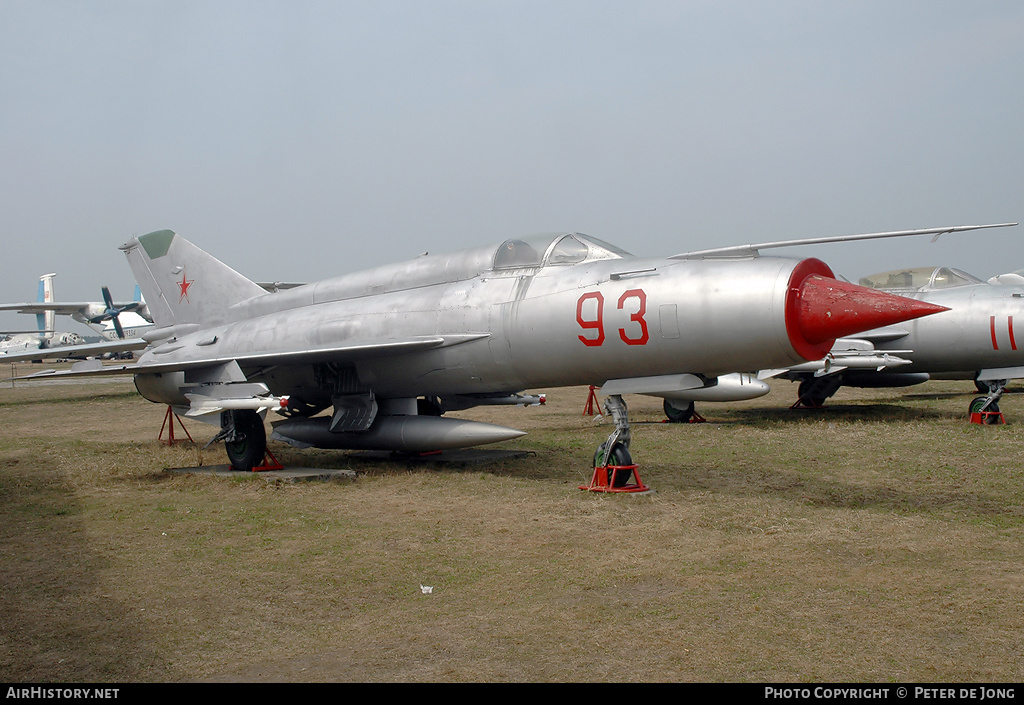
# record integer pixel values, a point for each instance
(183, 284)
(46, 321)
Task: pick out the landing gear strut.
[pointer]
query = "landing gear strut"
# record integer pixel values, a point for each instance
(613, 465)
(245, 438)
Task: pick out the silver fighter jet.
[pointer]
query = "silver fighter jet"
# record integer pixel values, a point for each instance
(385, 352)
(976, 339)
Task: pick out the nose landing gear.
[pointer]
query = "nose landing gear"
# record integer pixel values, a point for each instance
(985, 410)
(613, 465)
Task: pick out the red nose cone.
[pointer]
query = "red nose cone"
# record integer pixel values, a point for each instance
(821, 309)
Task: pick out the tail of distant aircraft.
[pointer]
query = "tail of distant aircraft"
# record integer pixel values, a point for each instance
(183, 284)
(45, 321)
(143, 309)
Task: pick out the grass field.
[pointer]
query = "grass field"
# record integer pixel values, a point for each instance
(880, 539)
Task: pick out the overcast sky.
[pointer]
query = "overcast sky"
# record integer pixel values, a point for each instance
(298, 140)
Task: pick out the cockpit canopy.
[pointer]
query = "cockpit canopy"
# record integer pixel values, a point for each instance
(550, 250)
(553, 249)
(919, 279)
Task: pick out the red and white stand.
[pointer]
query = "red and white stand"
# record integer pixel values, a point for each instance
(604, 478)
(988, 418)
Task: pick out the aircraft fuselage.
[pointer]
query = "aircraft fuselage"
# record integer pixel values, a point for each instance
(984, 328)
(535, 326)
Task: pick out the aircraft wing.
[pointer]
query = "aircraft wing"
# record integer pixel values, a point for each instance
(86, 350)
(65, 308)
(347, 352)
(1001, 373)
(752, 250)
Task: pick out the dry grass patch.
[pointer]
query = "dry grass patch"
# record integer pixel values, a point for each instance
(877, 540)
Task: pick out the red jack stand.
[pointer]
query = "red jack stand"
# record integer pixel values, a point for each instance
(269, 463)
(603, 480)
(169, 418)
(988, 418)
(588, 410)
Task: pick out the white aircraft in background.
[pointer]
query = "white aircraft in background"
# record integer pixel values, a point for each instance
(14, 341)
(44, 337)
(112, 320)
(120, 324)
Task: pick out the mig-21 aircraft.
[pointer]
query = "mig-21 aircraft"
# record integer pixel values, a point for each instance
(384, 352)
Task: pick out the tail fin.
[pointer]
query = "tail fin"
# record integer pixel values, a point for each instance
(183, 284)
(46, 321)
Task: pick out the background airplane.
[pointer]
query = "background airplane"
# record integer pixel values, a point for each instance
(976, 339)
(105, 317)
(69, 346)
(112, 320)
(13, 343)
(378, 347)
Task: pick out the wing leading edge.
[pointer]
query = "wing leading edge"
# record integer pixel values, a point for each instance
(348, 352)
(87, 350)
(752, 250)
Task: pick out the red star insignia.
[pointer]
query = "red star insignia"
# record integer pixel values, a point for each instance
(184, 284)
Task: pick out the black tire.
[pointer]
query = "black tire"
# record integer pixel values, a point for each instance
(979, 402)
(247, 452)
(428, 406)
(804, 392)
(619, 457)
(677, 415)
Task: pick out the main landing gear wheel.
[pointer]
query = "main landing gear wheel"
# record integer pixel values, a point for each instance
(247, 445)
(810, 395)
(677, 415)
